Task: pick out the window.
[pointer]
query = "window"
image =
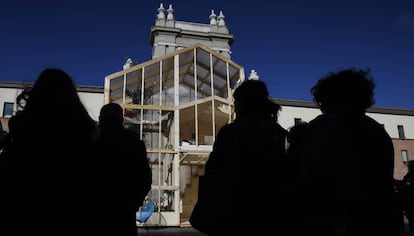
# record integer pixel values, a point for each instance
(404, 155)
(298, 121)
(8, 109)
(401, 133)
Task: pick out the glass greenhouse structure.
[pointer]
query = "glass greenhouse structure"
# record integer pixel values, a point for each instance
(177, 103)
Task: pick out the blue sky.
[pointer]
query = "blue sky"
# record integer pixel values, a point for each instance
(290, 43)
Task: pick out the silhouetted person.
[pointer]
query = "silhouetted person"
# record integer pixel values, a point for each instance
(408, 185)
(401, 202)
(123, 157)
(45, 167)
(3, 136)
(348, 161)
(295, 141)
(245, 158)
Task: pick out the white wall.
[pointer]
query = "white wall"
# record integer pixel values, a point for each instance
(8, 95)
(93, 103)
(288, 114)
(390, 121)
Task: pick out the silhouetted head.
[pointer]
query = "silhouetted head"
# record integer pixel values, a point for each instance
(111, 115)
(251, 98)
(53, 92)
(53, 106)
(346, 91)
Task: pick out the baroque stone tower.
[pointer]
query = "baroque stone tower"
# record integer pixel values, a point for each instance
(169, 35)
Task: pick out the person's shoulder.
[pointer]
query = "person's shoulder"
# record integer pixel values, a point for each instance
(130, 134)
(227, 130)
(322, 120)
(408, 179)
(228, 127)
(324, 127)
(371, 121)
(374, 126)
(280, 129)
(15, 120)
(408, 175)
(318, 118)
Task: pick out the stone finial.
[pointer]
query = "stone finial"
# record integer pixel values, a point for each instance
(161, 14)
(212, 18)
(128, 63)
(170, 11)
(220, 18)
(253, 75)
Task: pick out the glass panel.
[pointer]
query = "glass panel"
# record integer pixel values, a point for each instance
(234, 76)
(187, 126)
(219, 77)
(203, 73)
(132, 119)
(116, 87)
(154, 160)
(204, 89)
(187, 58)
(133, 87)
(186, 77)
(185, 93)
(162, 176)
(205, 123)
(190, 80)
(203, 57)
(151, 84)
(222, 115)
(167, 97)
(155, 136)
(167, 125)
(151, 128)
